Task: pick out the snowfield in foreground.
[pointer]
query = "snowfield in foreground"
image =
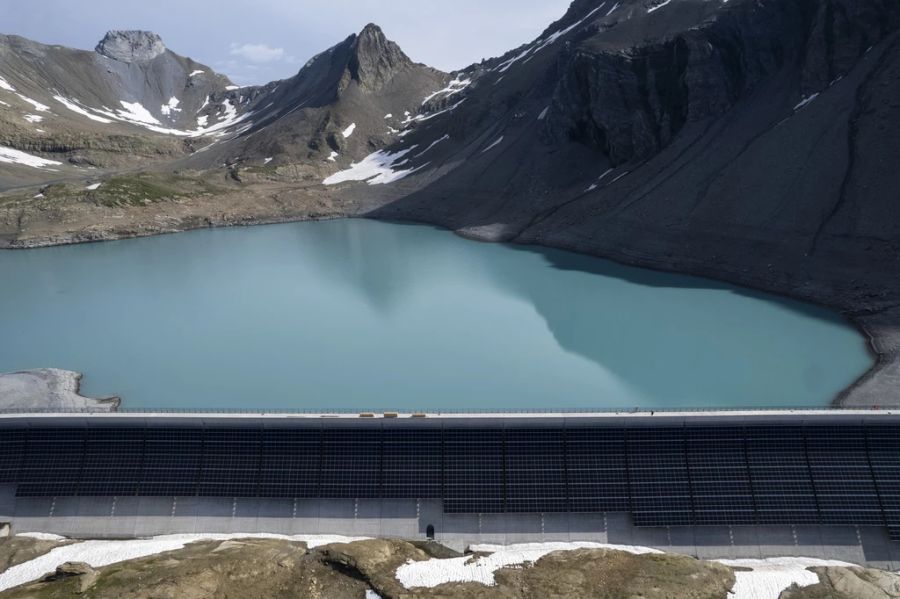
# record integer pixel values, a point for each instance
(103, 553)
(771, 576)
(768, 578)
(434, 572)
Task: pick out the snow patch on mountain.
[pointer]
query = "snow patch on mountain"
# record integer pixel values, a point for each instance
(171, 106)
(434, 143)
(420, 118)
(11, 156)
(658, 6)
(37, 105)
(505, 66)
(137, 113)
(195, 73)
(493, 145)
(77, 108)
(4, 84)
(454, 87)
(375, 169)
(805, 101)
(542, 43)
(349, 130)
(33, 118)
(619, 177)
(555, 36)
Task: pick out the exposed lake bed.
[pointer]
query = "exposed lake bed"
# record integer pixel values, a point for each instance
(364, 315)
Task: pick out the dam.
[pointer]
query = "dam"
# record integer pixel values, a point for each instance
(710, 484)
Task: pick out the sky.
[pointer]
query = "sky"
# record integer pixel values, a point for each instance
(263, 40)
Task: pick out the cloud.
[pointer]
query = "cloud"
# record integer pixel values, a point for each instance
(257, 52)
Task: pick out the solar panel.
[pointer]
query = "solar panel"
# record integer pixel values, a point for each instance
(536, 470)
(597, 470)
(290, 461)
(782, 483)
(113, 459)
(12, 449)
(474, 478)
(720, 477)
(351, 462)
(411, 464)
(231, 463)
(884, 455)
(52, 462)
(171, 464)
(659, 478)
(846, 474)
(842, 475)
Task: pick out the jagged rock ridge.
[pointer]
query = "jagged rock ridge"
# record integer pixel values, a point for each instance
(375, 60)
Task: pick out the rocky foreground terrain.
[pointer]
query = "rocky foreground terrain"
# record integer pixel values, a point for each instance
(379, 568)
(753, 142)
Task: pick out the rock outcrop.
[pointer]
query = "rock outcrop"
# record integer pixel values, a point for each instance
(131, 46)
(375, 60)
(82, 575)
(48, 390)
(17, 550)
(848, 583)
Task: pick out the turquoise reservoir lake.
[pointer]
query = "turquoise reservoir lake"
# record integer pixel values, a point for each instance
(365, 315)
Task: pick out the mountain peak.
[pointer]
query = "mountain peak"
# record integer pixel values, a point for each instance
(375, 59)
(131, 46)
(372, 31)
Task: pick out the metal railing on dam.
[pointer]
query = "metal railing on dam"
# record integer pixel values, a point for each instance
(831, 469)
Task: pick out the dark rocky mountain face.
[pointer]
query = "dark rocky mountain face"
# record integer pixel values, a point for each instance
(375, 60)
(737, 138)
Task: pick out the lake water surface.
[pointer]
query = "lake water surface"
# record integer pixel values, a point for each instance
(364, 315)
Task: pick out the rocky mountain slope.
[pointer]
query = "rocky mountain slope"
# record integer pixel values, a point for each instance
(748, 141)
(73, 111)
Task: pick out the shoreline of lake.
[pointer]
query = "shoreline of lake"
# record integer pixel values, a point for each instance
(872, 388)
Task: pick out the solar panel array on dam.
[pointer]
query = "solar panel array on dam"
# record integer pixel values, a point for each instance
(664, 471)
